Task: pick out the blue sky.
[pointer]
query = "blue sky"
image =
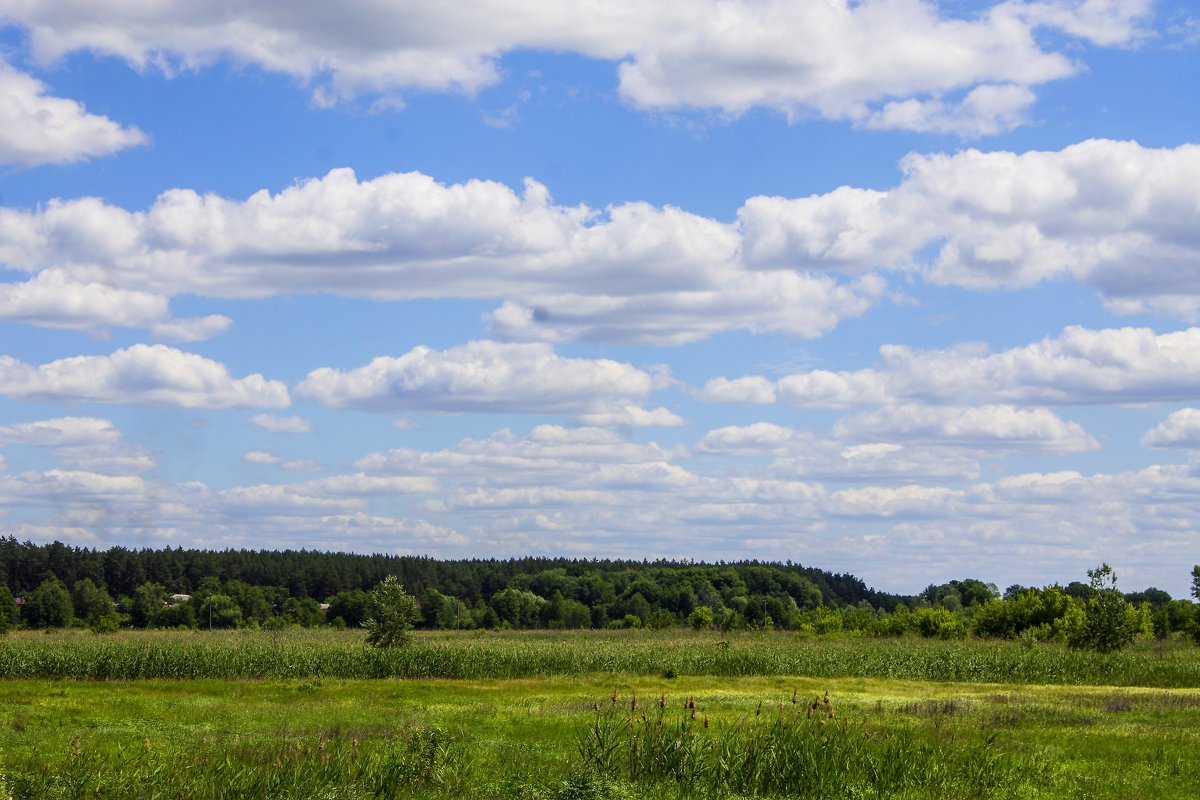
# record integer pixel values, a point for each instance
(898, 288)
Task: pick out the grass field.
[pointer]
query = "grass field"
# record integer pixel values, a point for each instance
(623, 729)
(328, 653)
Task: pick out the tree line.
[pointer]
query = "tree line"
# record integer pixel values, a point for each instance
(60, 585)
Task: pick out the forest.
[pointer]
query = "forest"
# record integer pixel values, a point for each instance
(56, 585)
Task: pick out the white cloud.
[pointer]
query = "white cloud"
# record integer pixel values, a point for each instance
(802, 454)
(61, 432)
(493, 377)
(1103, 22)
(1081, 366)
(192, 329)
(1180, 429)
(759, 438)
(986, 110)
(837, 59)
(266, 458)
(1115, 216)
(562, 271)
(278, 424)
(82, 444)
(52, 300)
(747, 389)
(887, 501)
(141, 374)
(38, 128)
(630, 416)
(1004, 426)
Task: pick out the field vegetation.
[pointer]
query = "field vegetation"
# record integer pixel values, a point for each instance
(139, 675)
(594, 736)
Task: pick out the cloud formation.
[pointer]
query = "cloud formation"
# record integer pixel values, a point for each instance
(868, 63)
(1115, 216)
(1081, 366)
(50, 299)
(992, 425)
(1181, 429)
(491, 377)
(154, 375)
(38, 128)
(278, 424)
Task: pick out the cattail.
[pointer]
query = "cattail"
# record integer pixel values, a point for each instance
(76, 749)
(614, 697)
(794, 700)
(758, 711)
(633, 703)
(662, 701)
(146, 744)
(706, 721)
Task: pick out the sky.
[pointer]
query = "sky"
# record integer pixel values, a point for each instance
(900, 288)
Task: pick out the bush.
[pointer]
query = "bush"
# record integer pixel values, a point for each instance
(1109, 622)
(393, 614)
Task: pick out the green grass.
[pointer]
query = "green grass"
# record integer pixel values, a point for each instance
(475, 655)
(588, 715)
(530, 738)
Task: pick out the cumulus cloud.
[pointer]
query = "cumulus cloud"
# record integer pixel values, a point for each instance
(1115, 216)
(38, 128)
(142, 375)
(82, 444)
(493, 377)
(1180, 429)
(837, 60)
(61, 432)
(1081, 366)
(52, 300)
(562, 272)
(278, 424)
(264, 457)
(993, 425)
(803, 454)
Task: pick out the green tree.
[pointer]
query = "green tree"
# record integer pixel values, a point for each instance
(220, 611)
(1196, 581)
(95, 606)
(352, 607)
(148, 599)
(49, 605)
(701, 618)
(180, 615)
(1109, 621)
(393, 614)
(8, 610)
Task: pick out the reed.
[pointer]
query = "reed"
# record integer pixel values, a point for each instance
(533, 654)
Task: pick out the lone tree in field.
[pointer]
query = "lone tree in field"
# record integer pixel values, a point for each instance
(1109, 622)
(393, 612)
(1196, 581)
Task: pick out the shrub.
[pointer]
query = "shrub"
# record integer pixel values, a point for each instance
(1109, 622)
(393, 614)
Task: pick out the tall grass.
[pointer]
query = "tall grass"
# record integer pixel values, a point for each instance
(500, 655)
(792, 751)
(419, 763)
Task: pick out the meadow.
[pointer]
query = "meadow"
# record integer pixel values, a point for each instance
(306, 714)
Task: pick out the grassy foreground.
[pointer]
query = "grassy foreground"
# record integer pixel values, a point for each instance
(617, 733)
